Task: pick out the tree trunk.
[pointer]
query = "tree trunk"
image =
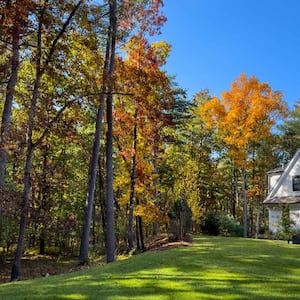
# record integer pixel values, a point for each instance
(10, 91)
(6, 115)
(137, 234)
(42, 243)
(110, 222)
(84, 244)
(244, 190)
(257, 223)
(44, 194)
(102, 200)
(16, 267)
(155, 172)
(141, 233)
(132, 185)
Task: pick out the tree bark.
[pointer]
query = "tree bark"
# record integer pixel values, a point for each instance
(106, 90)
(140, 224)
(84, 244)
(132, 185)
(102, 200)
(6, 115)
(110, 222)
(244, 189)
(16, 267)
(10, 91)
(155, 171)
(137, 234)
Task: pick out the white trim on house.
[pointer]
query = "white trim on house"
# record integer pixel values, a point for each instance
(282, 192)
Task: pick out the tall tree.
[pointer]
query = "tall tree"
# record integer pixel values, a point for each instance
(14, 20)
(110, 219)
(107, 86)
(244, 115)
(40, 68)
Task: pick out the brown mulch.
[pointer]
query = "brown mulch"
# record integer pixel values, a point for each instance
(163, 242)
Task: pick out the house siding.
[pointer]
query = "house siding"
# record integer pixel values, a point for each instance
(286, 188)
(275, 217)
(281, 195)
(295, 216)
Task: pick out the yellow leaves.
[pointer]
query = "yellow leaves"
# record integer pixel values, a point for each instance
(244, 114)
(212, 111)
(150, 213)
(162, 50)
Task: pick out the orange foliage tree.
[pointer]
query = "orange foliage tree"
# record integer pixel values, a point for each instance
(244, 115)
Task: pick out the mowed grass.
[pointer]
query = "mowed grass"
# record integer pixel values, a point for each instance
(213, 268)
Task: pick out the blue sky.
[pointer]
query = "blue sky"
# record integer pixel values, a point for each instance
(214, 41)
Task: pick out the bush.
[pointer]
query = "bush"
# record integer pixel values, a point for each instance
(211, 225)
(180, 216)
(230, 227)
(221, 225)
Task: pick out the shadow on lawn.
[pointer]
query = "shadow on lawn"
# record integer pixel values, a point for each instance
(213, 268)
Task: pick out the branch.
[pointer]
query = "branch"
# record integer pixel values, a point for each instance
(108, 93)
(52, 122)
(60, 34)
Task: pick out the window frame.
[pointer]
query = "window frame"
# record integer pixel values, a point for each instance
(296, 183)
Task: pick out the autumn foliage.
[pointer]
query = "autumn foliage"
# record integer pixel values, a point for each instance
(244, 115)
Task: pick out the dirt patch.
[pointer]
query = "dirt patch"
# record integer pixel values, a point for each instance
(35, 266)
(163, 242)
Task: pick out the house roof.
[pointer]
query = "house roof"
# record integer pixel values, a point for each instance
(276, 170)
(285, 200)
(271, 198)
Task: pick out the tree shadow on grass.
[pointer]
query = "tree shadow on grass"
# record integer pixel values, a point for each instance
(213, 268)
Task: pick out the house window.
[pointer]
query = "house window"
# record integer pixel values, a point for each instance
(296, 183)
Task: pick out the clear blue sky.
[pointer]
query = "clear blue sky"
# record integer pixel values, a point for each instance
(214, 41)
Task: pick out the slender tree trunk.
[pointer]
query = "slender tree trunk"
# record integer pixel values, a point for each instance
(106, 89)
(132, 185)
(110, 230)
(10, 91)
(6, 115)
(245, 221)
(141, 233)
(110, 222)
(155, 172)
(84, 245)
(16, 267)
(137, 234)
(44, 194)
(102, 199)
(257, 223)
(234, 192)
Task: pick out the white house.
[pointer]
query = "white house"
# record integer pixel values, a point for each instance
(284, 193)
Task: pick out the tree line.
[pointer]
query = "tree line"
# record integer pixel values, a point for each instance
(100, 148)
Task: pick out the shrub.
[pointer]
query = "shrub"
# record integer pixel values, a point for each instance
(230, 227)
(180, 216)
(211, 225)
(221, 225)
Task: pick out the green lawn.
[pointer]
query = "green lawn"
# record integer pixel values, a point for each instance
(213, 268)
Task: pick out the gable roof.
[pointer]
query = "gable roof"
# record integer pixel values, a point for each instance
(272, 198)
(278, 170)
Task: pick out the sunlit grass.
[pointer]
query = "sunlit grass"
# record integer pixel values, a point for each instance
(213, 268)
